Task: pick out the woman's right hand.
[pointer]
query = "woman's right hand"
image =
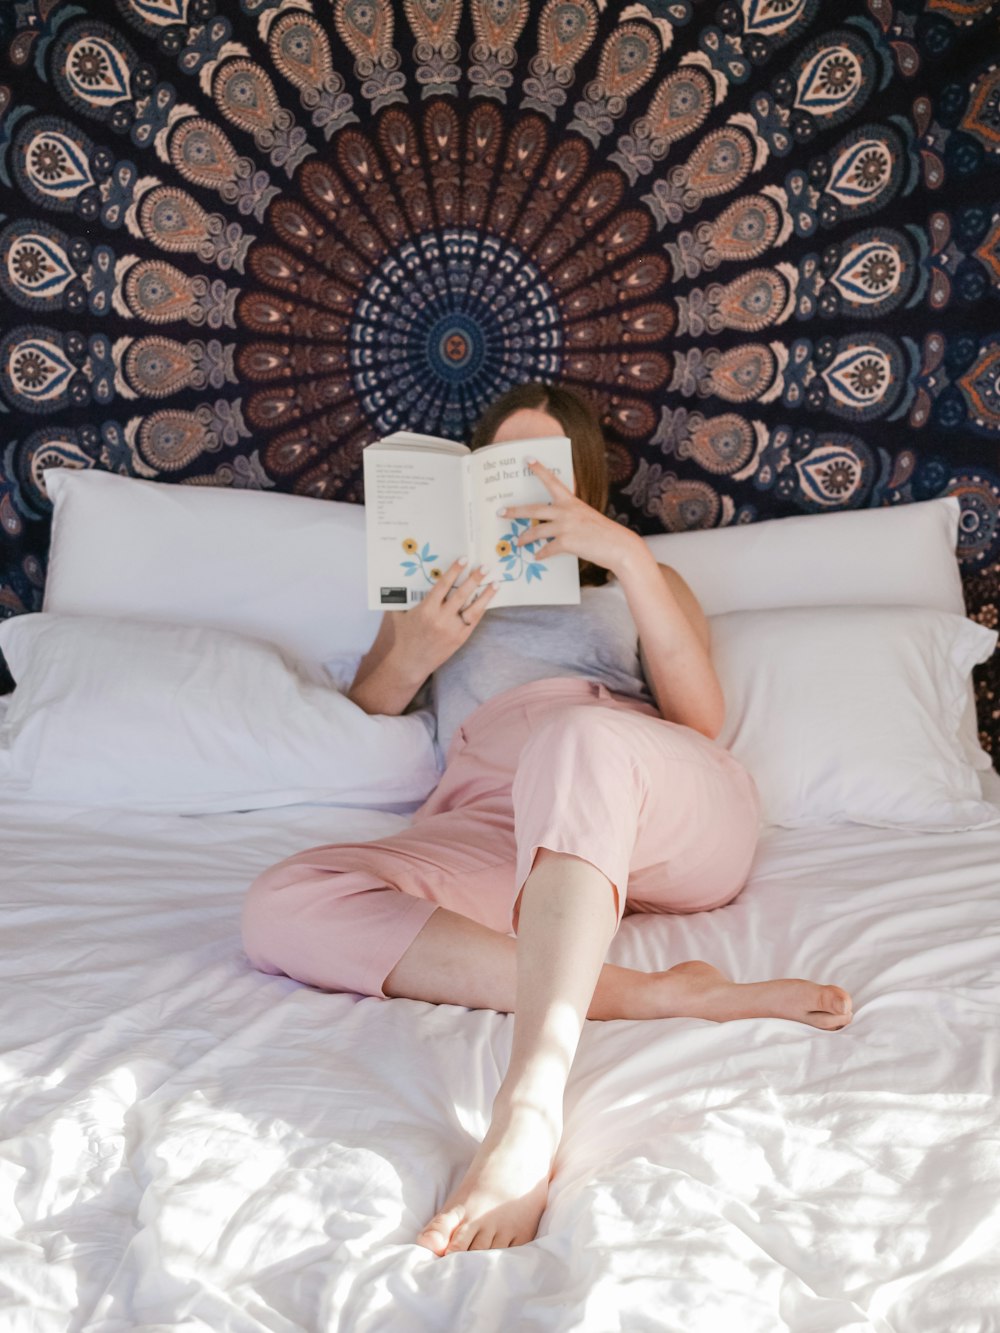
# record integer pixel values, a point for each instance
(427, 634)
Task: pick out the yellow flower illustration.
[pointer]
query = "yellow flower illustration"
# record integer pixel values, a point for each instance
(503, 548)
(435, 573)
(409, 546)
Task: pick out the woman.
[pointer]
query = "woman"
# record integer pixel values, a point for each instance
(583, 780)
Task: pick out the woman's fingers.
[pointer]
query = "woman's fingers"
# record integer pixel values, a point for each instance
(475, 578)
(527, 511)
(549, 548)
(447, 581)
(449, 599)
(539, 532)
(556, 488)
(473, 612)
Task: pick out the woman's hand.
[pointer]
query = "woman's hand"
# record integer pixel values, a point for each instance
(570, 526)
(411, 644)
(427, 634)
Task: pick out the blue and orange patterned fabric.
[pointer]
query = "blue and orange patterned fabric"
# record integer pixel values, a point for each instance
(239, 241)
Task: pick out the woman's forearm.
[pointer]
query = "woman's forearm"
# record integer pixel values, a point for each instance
(388, 677)
(675, 654)
(388, 687)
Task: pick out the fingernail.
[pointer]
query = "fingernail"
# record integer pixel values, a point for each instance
(482, 569)
(495, 584)
(501, 512)
(463, 559)
(529, 461)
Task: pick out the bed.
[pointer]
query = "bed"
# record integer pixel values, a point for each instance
(190, 1144)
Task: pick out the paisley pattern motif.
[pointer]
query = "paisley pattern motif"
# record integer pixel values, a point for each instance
(238, 242)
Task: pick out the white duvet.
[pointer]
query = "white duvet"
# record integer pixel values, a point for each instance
(188, 1144)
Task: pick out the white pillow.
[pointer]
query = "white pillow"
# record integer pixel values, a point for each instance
(285, 568)
(852, 714)
(898, 556)
(189, 720)
(291, 569)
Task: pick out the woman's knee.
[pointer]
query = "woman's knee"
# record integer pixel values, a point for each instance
(259, 915)
(300, 924)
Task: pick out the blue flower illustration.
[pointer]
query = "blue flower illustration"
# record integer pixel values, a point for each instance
(519, 561)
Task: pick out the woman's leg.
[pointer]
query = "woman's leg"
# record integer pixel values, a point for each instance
(631, 803)
(552, 975)
(454, 960)
(568, 917)
(655, 807)
(329, 917)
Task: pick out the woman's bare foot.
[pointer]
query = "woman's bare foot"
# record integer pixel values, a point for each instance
(698, 990)
(503, 1194)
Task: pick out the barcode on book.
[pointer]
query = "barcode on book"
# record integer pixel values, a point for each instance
(392, 596)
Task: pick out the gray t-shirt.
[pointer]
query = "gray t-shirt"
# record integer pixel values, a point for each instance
(512, 645)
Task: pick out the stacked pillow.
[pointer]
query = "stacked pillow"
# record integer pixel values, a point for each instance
(854, 714)
(184, 657)
(192, 720)
(177, 664)
(845, 657)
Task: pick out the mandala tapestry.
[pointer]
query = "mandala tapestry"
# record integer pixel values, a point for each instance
(240, 239)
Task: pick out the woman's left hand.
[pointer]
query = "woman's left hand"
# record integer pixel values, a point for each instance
(570, 526)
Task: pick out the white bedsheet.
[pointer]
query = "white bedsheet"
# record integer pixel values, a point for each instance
(188, 1144)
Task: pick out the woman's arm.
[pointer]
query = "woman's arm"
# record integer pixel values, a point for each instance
(410, 645)
(673, 631)
(674, 643)
(385, 682)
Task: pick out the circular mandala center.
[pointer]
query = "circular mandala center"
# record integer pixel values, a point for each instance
(448, 323)
(457, 345)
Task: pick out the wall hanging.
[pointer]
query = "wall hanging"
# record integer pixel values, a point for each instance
(239, 241)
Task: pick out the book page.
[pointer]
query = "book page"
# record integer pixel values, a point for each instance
(408, 439)
(500, 477)
(416, 522)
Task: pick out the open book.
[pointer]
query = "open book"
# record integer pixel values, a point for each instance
(429, 501)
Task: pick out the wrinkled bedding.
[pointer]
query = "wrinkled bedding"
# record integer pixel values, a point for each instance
(189, 1144)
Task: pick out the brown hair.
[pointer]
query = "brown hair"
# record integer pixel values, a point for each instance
(578, 418)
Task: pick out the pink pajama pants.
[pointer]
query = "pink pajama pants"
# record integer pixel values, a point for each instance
(670, 817)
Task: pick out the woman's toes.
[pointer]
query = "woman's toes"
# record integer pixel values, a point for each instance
(829, 1022)
(463, 1238)
(834, 1000)
(439, 1231)
(833, 1009)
